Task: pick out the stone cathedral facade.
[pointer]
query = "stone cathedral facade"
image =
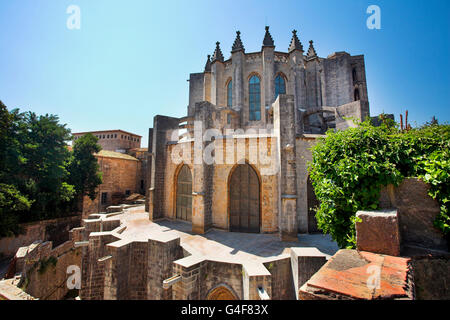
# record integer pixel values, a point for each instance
(238, 160)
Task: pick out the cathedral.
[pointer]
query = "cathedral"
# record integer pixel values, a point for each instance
(238, 161)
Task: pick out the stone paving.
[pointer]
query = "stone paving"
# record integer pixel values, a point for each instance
(221, 245)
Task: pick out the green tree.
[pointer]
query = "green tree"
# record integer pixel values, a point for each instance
(44, 174)
(10, 147)
(39, 177)
(84, 167)
(11, 202)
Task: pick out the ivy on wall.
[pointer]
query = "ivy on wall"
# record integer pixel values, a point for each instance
(349, 168)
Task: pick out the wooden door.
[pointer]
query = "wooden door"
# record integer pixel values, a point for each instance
(244, 200)
(184, 194)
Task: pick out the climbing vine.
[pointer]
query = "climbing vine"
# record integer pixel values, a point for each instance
(349, 167)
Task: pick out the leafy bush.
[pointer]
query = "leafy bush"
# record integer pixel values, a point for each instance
(349, 167)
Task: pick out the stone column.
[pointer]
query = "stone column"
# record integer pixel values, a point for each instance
(238, 60)
(297, 79)
(117, 270)
(217, 84)
(162, 252)
(268, 76)
(284, 128)
(148, 177)
(190, 269)
(93, 266)
(305, 262)
(162, 128)
(207, 86)
(255, 277)
(202, 173)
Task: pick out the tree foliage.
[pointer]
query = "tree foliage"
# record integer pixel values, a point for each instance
(84, 168)
(349, 167)
(37, 169)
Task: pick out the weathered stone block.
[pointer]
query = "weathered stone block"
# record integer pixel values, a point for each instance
(305, 262)
(431, 277)
(416, 213)
(378, 232)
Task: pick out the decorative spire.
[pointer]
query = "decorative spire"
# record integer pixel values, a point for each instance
(311, 51)
(268, 41)
(217, 56)
(237, 45)
(295, 43)
(208, 64)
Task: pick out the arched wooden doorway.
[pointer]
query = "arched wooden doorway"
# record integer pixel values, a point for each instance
(184, 194)
(244, 195)
(313, 203)
(221, 293)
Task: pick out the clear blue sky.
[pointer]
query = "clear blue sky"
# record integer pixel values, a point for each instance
(131, 59)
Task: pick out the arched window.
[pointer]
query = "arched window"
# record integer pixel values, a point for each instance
(254, 91)
(280, 86)
(356, 94)
(230, 94)
(354, 75)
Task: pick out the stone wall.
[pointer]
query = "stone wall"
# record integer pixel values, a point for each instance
(56, 230)
(304, 155)
(162, 128)
(43, 270)
(119, 269)
(284, 128)
(416, 213)
(282, 279)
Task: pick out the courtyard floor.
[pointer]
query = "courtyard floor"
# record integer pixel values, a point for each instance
(221, 245)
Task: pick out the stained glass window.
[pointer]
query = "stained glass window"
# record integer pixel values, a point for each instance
(254, 89)
(280, 86)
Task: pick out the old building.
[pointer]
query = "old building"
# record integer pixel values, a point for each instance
(238, 160)
(114, 140)
(123, 164)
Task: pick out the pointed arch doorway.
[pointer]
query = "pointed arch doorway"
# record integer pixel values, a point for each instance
(184, 194)
(244, 195)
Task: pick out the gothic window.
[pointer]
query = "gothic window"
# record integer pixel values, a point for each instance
(280, 86)
(357, 94)
(354, 75)
(229, 94)
(254, 90)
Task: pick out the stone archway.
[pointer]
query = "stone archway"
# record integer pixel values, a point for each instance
(184, 194)
(221, 293)
(244, 195)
